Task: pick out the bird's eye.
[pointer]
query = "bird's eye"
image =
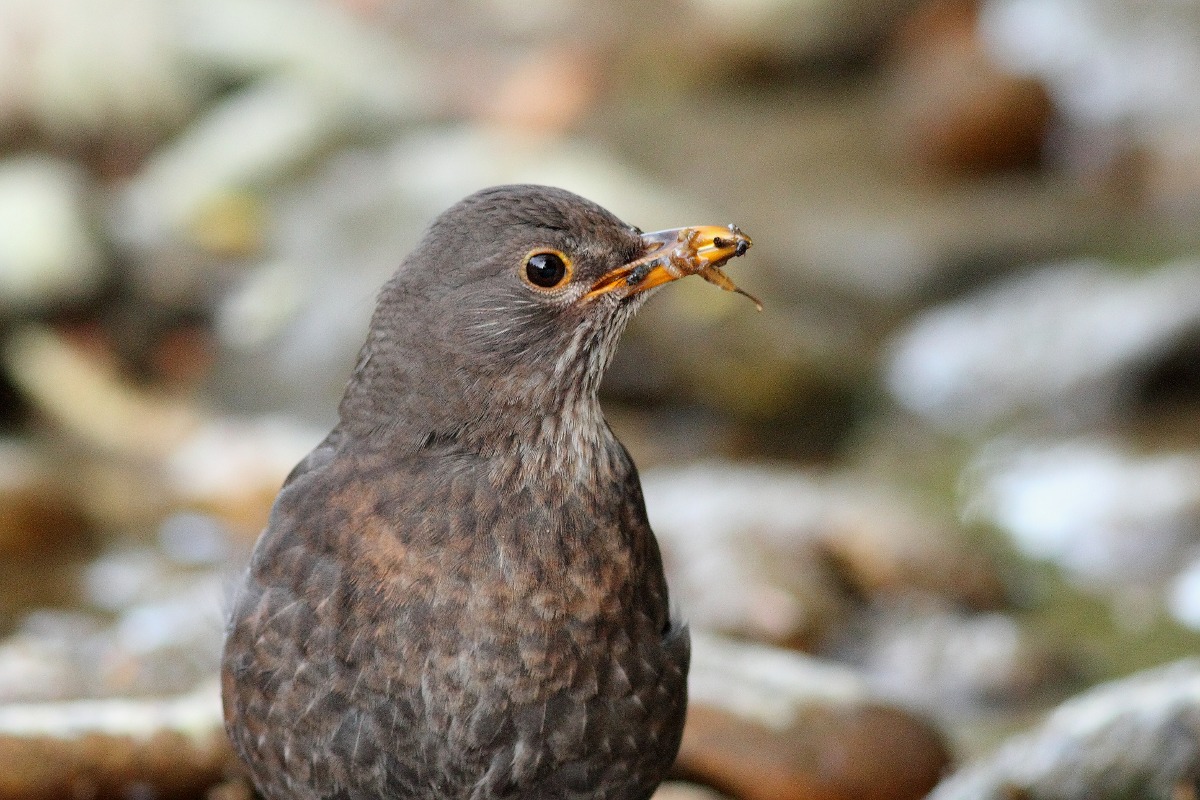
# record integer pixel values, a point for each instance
(547, 269)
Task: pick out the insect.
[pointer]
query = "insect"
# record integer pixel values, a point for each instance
(694, 253)
(677, 253)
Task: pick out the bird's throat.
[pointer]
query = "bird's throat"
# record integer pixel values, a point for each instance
(564, 450)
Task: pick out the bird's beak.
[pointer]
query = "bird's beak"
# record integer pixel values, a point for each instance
(672, 254)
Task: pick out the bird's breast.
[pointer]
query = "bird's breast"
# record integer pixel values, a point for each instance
(426, 606)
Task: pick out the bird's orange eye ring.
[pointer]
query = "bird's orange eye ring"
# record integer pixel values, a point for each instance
(546, 269)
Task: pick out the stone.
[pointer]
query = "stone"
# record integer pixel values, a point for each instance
(1117, 521)
(768, 724)
(957, 109)
(233, 467)
(176, 455)
(169, 746)
(1134, 737)
(144, 625)
(1091, 504)
(549, 91)
(48, 254)
(1183, 599)
(678, 790)
(958, 667)
(311, 76)
(38, 661)
(351, 61)
(768, 552)
(789, 32)
(204, 189)
(972, 363)
(438, 168)
(1124, 79)
(88, 397)
(39, 515)
(107, 75)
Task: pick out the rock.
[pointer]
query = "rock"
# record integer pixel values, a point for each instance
(312, 76)
(150, 453)
(172, 746)
(233, 468)
(1183, 599)
(39, 515)
(842, 219)
(1136, 737)
(39, 661)
(149, 66)
(84, 73)
(87, 397)
(957, 109)
(1167, 171)
(354, 64)
(46, 530)
(905, 244)
(146, 626)
(202, 194)
(289, 327)
(766, 382)
(260, 305)
(1124, 78)
(956, 666)
(237, 788)
(973, 363)
(308, 77)
(48, 254)
(678, 790)
(189, 539)
(1113, 519)
(766, 724)
(787, 31)
(1119, 522)
(549, 91)
(768, 553)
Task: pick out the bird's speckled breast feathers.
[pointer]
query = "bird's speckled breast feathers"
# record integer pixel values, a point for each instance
(541, 648)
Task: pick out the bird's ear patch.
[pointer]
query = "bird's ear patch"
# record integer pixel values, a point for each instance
(546, 269)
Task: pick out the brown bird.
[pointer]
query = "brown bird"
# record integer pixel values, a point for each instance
(458, 594)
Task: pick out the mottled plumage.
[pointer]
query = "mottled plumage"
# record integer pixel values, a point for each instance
(458, 594)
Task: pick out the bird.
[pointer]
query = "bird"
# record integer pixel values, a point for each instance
(458, 593)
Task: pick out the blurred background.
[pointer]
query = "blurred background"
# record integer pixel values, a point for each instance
(956, 454)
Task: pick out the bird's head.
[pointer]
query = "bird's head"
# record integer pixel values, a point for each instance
(509, 309)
